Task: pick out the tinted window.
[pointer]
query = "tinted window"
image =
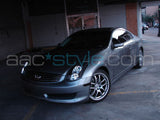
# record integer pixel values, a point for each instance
(87, 40)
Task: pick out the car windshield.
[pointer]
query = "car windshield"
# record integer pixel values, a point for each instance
(92, 39)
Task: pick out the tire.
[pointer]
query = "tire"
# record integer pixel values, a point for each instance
(139, 59)
(99, 86)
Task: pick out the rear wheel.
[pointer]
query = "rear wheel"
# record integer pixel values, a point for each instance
(140, 59)
(100, 86)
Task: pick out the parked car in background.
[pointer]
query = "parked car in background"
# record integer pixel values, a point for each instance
(112, 51)
(144, 26)
(156, 25)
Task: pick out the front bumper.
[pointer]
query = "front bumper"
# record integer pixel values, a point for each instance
(68, 92)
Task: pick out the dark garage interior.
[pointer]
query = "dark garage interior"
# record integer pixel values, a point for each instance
(30, 27)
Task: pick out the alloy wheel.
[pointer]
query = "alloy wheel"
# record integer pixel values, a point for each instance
(99, 86)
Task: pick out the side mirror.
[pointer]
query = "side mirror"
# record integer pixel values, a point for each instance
(118, 45)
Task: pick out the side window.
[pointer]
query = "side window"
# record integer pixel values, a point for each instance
(118, 36)
(128, 36)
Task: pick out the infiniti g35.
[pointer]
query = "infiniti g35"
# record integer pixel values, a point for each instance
(105, 54)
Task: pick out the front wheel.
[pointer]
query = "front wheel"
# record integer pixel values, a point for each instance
(99, 86)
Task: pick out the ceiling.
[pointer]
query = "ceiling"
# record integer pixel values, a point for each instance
(43, 7)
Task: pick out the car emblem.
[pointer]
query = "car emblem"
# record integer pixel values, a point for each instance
(37, 77)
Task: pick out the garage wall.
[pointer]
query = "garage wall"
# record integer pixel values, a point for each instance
(131, 12)
(48, 30)
(12, 38)
(113, 16)
(11, 41)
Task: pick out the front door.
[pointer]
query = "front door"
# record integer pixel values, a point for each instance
(118, 53)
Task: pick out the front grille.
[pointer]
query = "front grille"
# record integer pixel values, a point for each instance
(41, 77)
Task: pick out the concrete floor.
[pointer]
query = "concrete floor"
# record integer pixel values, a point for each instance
(136, 96)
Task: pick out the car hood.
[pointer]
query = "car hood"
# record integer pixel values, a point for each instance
(80, 57)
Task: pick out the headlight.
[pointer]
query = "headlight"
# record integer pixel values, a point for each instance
(77, 69)
(25, 65)
(75, 73)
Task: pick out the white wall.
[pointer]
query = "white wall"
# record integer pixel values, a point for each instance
(48, 30)
(113, 16)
